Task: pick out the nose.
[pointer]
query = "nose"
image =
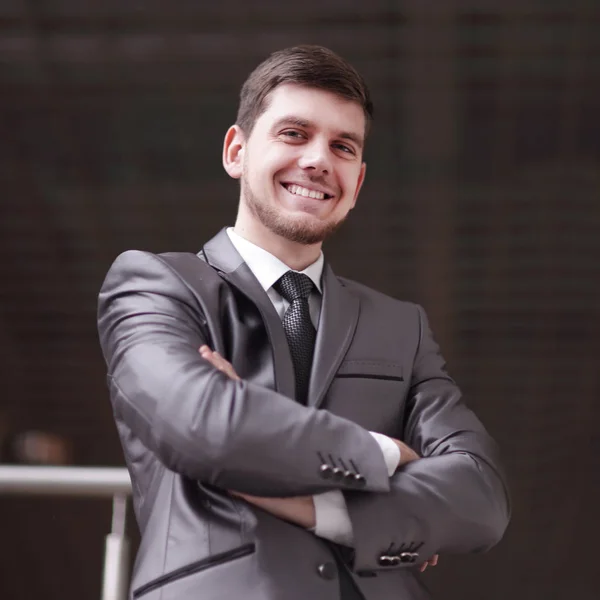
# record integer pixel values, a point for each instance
(316, 159)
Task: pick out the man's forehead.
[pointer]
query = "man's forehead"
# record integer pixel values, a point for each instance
(288, 102)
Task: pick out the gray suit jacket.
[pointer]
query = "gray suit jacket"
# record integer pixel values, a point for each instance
(189, 433)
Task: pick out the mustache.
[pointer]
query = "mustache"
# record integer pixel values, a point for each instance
(318, 180)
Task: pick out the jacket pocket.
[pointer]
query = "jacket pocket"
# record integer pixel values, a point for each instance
(200, 565)
(370, 369)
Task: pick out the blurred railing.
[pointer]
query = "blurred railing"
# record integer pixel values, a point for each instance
(88, 482)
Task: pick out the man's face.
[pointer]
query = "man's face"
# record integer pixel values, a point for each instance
(302, 165)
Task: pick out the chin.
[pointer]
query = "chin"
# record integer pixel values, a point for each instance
(296, 226)
(303, 229)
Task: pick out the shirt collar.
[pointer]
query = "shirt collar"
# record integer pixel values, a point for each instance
(267, 268)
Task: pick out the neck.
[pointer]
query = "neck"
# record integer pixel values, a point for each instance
(296, 256)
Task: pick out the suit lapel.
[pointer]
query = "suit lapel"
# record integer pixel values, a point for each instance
(221, 254)
(339, 316)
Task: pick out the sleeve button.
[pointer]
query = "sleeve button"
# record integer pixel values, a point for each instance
(387, 561)
(338, 473)
(325, 471)
(359, 480)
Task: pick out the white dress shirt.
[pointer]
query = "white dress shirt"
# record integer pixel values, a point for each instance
(331, 514)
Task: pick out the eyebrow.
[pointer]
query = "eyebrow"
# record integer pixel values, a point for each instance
(298, 122)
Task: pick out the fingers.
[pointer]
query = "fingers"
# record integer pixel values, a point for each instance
(433, 561)
(407, 454)
(217, 361)
(239, 494)
(213, 357)
(207, 354)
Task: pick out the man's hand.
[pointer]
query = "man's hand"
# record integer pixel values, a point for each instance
(217, 361)
(299, 510)
(407, 454)
(430, 563)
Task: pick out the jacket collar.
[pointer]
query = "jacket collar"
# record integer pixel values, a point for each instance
(337, 323)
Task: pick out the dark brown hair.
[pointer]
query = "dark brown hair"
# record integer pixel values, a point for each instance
(313, 66)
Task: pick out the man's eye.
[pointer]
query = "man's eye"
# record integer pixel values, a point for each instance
(293, 134)
(344, 148)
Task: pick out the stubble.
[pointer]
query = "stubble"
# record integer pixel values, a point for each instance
(300, 229)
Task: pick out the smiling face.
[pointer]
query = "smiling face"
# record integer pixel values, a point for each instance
(301, 168)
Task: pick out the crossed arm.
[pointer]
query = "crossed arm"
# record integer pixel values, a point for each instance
(299, 510)
(452, 499)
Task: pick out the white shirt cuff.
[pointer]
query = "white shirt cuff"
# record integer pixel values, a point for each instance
(332, 521)
(390, 450)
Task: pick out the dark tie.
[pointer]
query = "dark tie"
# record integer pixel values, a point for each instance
(299, 330)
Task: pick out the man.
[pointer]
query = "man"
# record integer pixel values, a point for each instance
(290, 435)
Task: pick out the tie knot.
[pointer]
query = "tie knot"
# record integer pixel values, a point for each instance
(294, 285)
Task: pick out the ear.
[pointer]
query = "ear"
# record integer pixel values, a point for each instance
(361, 179)
(233, 151)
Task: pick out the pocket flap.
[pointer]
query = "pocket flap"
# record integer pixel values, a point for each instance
(371, 369)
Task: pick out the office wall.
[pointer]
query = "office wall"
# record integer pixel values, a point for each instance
(482, 203)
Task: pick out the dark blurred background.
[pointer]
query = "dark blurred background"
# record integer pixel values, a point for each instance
(482, 202)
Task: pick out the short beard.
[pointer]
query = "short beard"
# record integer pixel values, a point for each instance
(301, 230)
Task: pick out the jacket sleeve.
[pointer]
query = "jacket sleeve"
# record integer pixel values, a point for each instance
(194, 418)
(454, 499)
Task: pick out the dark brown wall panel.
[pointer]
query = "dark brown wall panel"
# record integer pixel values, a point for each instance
(482, 202)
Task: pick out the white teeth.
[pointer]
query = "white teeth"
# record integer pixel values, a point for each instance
(301, 191)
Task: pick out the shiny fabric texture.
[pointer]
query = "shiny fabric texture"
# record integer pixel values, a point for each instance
(190, 434)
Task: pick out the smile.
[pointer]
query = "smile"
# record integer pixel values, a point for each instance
(298, 190)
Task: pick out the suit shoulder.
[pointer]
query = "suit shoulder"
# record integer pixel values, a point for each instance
(143, 259)
(377, 298)
(145, 256)
(134, 257)
(135, 267)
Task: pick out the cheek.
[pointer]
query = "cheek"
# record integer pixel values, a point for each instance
(349, 183)
(271, 165)
(258, 172)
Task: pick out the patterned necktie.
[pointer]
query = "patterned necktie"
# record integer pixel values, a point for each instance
(299, 330)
